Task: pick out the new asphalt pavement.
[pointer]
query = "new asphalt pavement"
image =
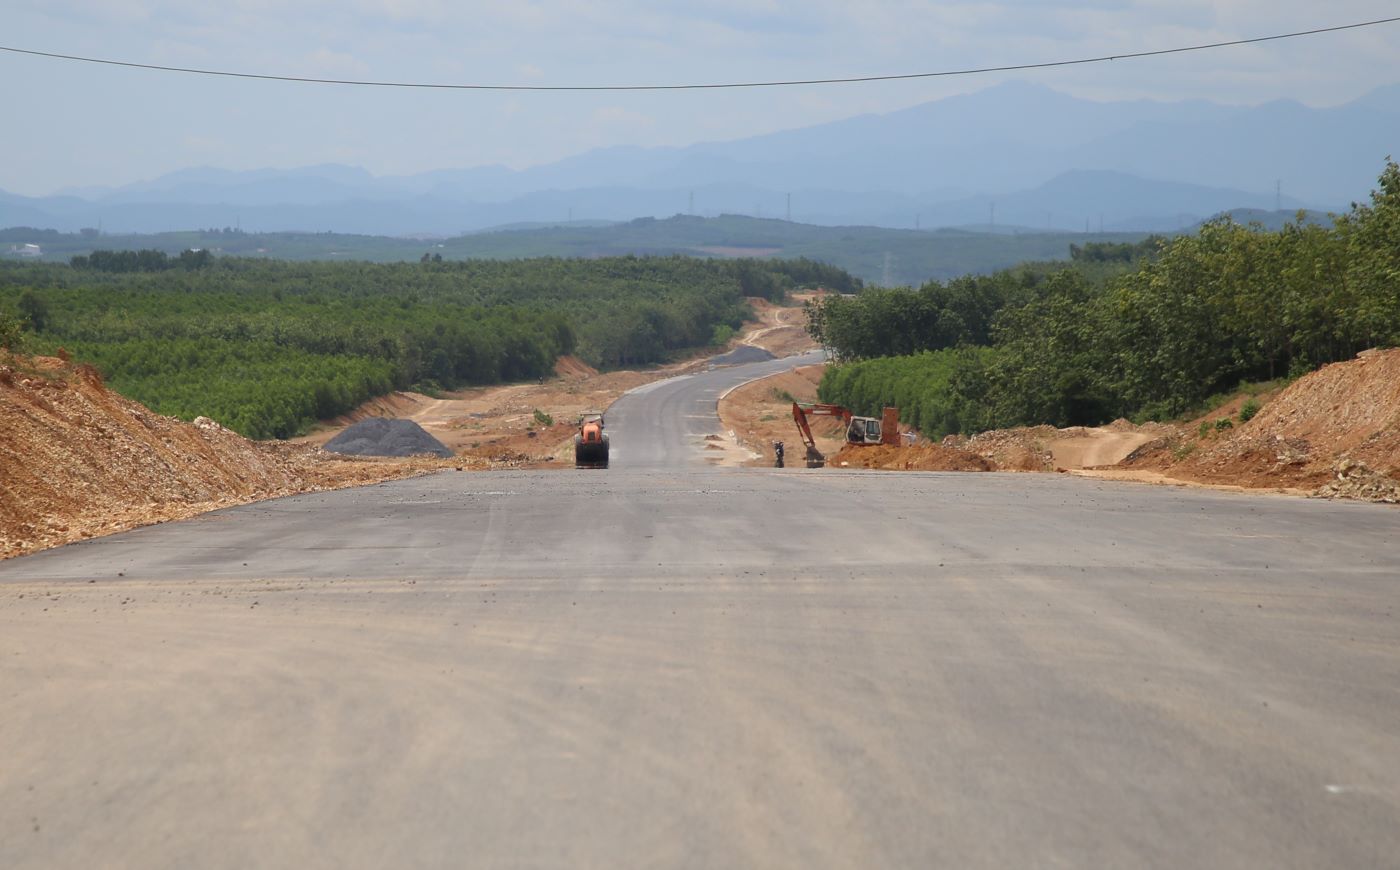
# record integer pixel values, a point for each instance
(671, 665)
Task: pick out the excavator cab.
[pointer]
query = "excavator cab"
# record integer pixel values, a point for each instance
(863, 430)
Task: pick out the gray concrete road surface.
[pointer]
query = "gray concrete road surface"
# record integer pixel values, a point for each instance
(691, 667)
(663, 424)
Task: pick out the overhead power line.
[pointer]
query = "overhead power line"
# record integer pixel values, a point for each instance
(706, 86)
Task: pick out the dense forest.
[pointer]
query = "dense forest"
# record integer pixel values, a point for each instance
(268, 347)
(1182, 320)
(876, 254)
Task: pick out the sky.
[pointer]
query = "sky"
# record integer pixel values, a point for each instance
(74, 126)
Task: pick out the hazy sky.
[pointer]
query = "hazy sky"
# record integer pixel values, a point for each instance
(75, 125)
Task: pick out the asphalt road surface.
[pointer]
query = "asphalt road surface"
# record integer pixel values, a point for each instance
(679, 666)
(663, 424)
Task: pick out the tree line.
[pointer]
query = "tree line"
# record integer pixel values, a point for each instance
(1192, 319)
(144, 260)
(267, 347)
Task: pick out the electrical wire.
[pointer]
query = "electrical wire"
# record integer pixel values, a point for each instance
(706, 86)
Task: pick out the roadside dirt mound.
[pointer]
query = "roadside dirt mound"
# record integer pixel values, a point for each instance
(1335, 432)
(573, 367)
(924, 457)
(77, 460)
(1021, 449)
(1045, 448)
(381, 436)
(1349, 409)
(399, 403)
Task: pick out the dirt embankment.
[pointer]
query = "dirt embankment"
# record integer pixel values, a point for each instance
(77, 461)
(759, 413)
(1333, 433)
(780, 330)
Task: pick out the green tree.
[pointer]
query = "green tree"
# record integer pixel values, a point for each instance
(33, 310)
(10, 332)
(1372, 237)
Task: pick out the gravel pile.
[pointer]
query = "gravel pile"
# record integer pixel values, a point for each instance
(744, 353)
(382, 436)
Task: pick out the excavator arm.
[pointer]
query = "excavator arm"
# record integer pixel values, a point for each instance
(800, 412)
(859, 430)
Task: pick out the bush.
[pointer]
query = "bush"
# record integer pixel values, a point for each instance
(1223, 423)
(542, 418)
(1248, 410)
(937, 392)
(721, 335)
(9, 332)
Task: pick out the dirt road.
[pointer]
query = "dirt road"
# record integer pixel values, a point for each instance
(1101, 446)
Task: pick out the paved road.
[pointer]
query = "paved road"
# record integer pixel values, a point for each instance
(663, 424)
(694, 667)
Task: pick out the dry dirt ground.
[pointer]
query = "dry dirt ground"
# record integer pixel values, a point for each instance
(77, 461)
(759, 413)
(498, 425)
(1332, 433)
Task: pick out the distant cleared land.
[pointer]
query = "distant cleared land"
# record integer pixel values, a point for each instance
(910, 257)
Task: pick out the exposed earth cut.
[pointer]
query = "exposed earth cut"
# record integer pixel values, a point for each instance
(77, 461)
(1333, 433)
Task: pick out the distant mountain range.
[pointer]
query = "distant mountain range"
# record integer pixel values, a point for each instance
(1015, 154)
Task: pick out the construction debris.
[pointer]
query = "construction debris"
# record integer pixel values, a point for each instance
(1354, 480)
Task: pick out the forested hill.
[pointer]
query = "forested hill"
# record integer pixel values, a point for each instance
(267, 347)
(874, 254)
(1190, 317)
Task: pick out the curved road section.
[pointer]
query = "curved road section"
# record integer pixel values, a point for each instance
(670, 665)
(663, 424)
